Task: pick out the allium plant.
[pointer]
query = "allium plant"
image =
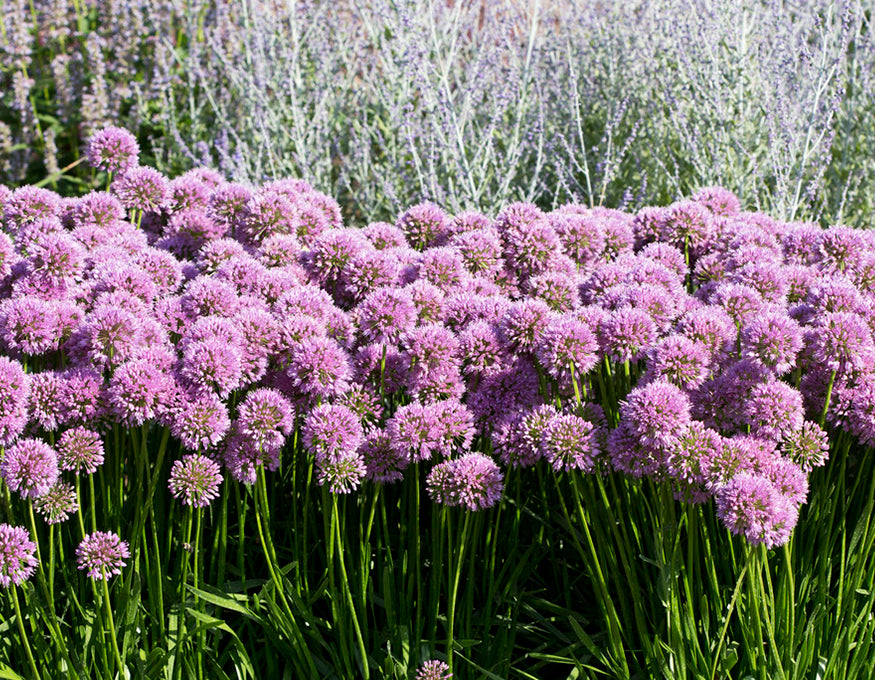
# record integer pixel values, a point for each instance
(404, 412)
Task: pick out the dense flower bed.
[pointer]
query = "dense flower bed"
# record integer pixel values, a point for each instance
(700, 346)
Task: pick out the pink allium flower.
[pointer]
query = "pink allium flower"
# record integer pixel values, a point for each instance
(57, 504)
(480, 348)
(626, 334)
(473, 481)
(772, 340)
(566, 342)
(568, 443)
(341, 473)
(14, 397)
(718, 200)
(656, 412)
(331, 431)
(428, 300)
(383, 235)
(102, 554)
(582, 236)
(141, 188)
(523, 323)
(363, 401)
(46, 399)
(385, 315)
(189, 192)
(29, 204)
(212, 364)
(17, 556)
(433, 670)
(751, 506)
(774, 410)
(266, 417)
(423, 224)
(383, 464)
(195, 480)
(199, 422)
(841, 247)
(413, 432)
(690, 457)
(112, 149)
(842, 341)
(481, 251)
(808, 446)
(319, 367)
(80, 450)
(139, 391)
(679, 360)
(531, 248)
(30, 467)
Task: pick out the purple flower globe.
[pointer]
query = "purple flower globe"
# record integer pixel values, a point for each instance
(17, 556)
(102, 555)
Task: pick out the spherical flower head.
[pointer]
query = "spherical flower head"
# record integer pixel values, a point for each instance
(27, 326)
(531, 248)
(453, 426)
(430, 346)
(718, 200)
(807, 446)
(433, 670)
(319, 367)
(581, 235)
(444, 266)
(368, 270)
(841, 341)
(29, 204)
(80, 450)
(741, 302)
(199, 422)
(17, 556)
(773, 340)
(141, 188)
(212, 364)
(767, 278)
(112, 149)
(195, 480)
(480, 250)
(364, 402)
(473, 481)
(568, 443)
(102, 554)
(523, 322)
(659, 304)
(517, 215)
(188, 192)
(383, 236)
(108, 336)
(428, 300)
(711, 327)
(331, 252)
(208, 296)
(266, 213)
(679, 360)
(139, 391)
(656, 412)
(383, 464)
(689, 457)
(331, 431)
(341, 473)
(316, 213)
(688, 225)
(385, 315)
(557, 289)
(774, 410)
(46, 399)
(14, 399)
(57, 504)
(229, 204)
(56, 259)
(719, 401)
(30, 467)
(626, 334)
(565, 345)
(266, 417)
(840, 248)
(750, 505)
(423, 224)
(789, 479)
(480, 349)
(414, 432)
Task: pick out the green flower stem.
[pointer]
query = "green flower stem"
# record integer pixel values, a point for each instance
(24, 638)
(111, 623)
(453, 582)
(722, 639)
(198, 513)
(338, 544)
(829, 387)
(183, 571)
(261, 518)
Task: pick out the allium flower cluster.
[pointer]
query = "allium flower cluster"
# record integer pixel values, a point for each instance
(195, 480)
(17, 556)
(473, 481)
(102, 554)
